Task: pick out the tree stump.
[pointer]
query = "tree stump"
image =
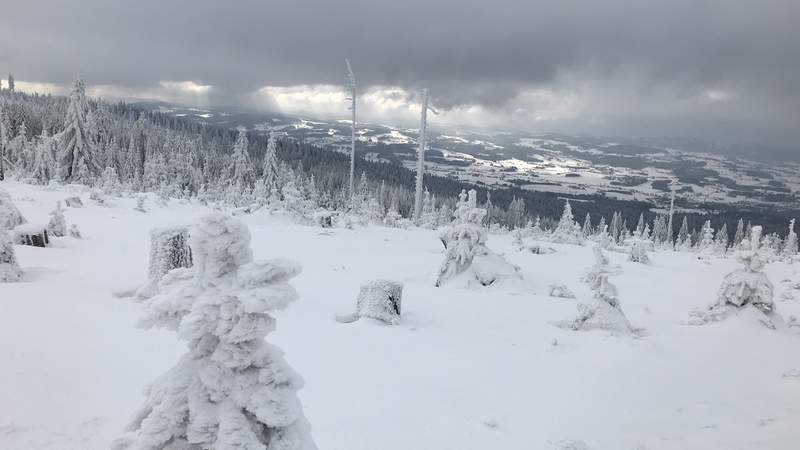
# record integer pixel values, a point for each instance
(32, 235)
(169, 249)
(377, 299)
(73, 202)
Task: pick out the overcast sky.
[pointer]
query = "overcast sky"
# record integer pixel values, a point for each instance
(714, 69)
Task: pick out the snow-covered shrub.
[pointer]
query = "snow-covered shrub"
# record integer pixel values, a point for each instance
(10, 216)
(99, 198)
(604, 312)
(232, 390)
(74, 232)
(57, 226)
(638, 252)
(749, 284)
(465, 246)
(517, 236)
(9, 268)
(560, 291)
(377, 299)
(140, 199)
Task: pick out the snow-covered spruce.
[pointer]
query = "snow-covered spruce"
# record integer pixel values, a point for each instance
(10, 216)
(140, 199)
(232, 390)
(169, 249)
(604, 312)
(747, 286)
(465, 246)
(9, 268)
(379, 300)
(568, 231)
(58, 224)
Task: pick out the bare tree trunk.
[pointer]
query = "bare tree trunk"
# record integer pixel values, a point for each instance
(423, 126)
(352, 77)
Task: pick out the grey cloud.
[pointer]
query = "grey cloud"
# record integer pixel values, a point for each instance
(466, 52)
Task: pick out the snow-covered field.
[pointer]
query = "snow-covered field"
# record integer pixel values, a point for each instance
(465, 369)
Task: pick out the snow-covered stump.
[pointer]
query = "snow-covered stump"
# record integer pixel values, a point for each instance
(560, 291)
(169, 249)
(324, 219)
(638, 252)
(10, 217)
(743, 288)
(232, 389)
(379, 300)
(31, 234)
(74, 232)
(9, 268)
(58, 224)
(73, 202)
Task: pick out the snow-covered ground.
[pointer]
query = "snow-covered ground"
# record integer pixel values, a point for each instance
(465, 369)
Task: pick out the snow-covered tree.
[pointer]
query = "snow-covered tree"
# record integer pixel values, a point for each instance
(684, 239)
(568, 231)
(76, 158)
(241, 169)
(740, 235)
(9, 268)
(748, 285)
(587, 226)
(10, 216)
(706, 243)
(604, 313)
(12, 86)
(270, 174)
(232, 390)
(721, 240)
(58, 224)
(465, 246)
(790, 245)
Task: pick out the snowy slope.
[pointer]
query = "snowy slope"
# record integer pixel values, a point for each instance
(466, 368)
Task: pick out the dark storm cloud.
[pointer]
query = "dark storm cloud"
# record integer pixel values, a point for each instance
(651, 61)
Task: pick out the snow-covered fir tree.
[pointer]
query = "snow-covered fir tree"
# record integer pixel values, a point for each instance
(721, 240)
(76, 157)
(638, 251)
(270, 172)
(748, 285)
(465, 246)
(790, 244)
(706, 244)
(568, 231)
(587, 226)
(684, 239)
(232, 390)
(241, 169)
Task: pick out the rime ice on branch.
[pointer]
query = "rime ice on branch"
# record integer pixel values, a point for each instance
(232, 390)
